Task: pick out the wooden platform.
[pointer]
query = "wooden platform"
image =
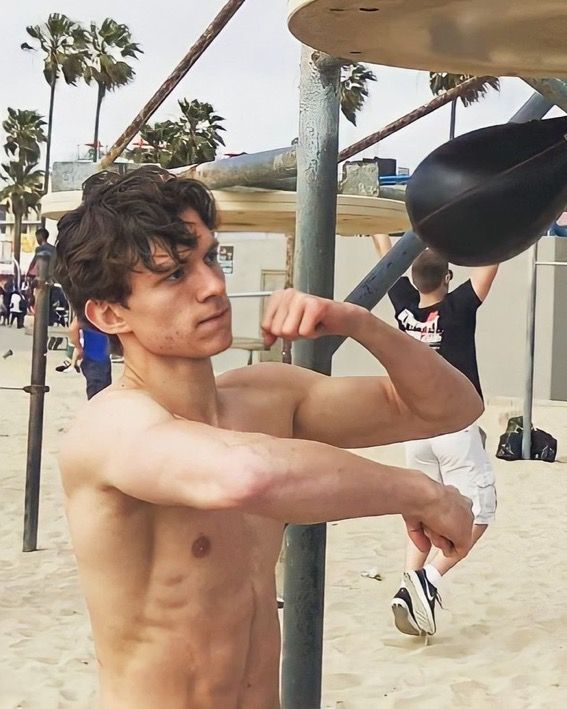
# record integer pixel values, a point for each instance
(479, 37)
(273, 211)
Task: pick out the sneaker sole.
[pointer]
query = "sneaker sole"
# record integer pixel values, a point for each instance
(402, 619)
(421, 610)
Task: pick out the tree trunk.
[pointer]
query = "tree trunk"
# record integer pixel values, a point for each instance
(99, 99)
(17, 240)
(453, 119)
(49, 134)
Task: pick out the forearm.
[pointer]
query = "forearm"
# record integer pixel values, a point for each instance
(425, 382)
(382, 244)
(305, 482)
(74, 335)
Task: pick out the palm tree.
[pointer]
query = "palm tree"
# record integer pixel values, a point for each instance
(109, 45)
(439, 82)
(199, 135)
(22, 193)
(194, 138)
(155, 144)
(354, 89)
(24, 133)
(63, 43)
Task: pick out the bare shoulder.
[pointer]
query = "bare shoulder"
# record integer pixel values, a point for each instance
(101, 428)
(267, 376)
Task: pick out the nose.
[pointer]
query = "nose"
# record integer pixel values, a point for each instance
(211, 283)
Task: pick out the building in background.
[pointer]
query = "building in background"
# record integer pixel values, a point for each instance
(29, 227)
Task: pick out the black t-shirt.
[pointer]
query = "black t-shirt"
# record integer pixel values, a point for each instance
(448, 327)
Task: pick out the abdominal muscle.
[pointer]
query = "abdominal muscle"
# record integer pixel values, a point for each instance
(182, 606)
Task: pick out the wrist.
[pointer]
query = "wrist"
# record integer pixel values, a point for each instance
(426, 495)
(359, 322)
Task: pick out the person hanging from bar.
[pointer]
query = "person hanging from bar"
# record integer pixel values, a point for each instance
(446, 322)
(178, 484)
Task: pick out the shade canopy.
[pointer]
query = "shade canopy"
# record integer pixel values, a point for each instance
(479, 37)
(273, 211)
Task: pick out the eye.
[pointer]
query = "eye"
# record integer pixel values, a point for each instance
(176, 275)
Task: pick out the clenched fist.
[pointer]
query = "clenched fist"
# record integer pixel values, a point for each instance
(292, 315)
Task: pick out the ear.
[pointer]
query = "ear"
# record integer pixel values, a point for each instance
(106, 317)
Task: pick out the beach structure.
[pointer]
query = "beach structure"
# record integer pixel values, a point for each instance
(494, 44)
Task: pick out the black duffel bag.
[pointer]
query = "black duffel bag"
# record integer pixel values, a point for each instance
(543, 445)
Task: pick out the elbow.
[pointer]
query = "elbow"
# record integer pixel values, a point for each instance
(250, 480)
(466, 411)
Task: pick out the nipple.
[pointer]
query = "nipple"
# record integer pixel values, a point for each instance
(201, 547)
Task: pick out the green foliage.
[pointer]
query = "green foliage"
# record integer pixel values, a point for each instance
(25, 186)
(440, 82)
(108, 46)
(64, 45)
(354, 89)
(24, 134)
(194, 138)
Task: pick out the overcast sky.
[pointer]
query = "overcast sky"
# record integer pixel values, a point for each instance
(250, 74)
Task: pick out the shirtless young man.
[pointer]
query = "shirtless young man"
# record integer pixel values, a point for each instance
(178, 484)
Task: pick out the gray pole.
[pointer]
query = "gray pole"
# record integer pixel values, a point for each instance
(536, 107)
(370, 291)
(314, 273)
(36, 390)
(530, 350)
(555, 90)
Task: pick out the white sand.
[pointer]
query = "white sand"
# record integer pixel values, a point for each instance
(500, 640)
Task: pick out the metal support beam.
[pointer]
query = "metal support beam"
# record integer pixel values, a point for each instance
(37, 394)
(554, 90)
(536, 107)
(370, 291)
(245, 170)
(314, 273)
(530, 351)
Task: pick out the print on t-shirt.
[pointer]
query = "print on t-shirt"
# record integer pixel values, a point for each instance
(428, 331)
(448, 327)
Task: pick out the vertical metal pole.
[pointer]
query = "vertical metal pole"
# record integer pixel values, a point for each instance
(530, 350)
(314, 273)
(37, 394)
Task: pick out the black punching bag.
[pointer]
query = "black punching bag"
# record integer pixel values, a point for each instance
(486, 196)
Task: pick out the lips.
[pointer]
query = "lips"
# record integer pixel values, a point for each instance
(215, 316)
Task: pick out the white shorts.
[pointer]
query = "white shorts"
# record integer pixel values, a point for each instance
(458, 459)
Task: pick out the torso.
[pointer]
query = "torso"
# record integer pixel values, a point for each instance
(448, 326)
(182, 602)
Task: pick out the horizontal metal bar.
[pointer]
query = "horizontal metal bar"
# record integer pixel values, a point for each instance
(551, 263)
(255, 294)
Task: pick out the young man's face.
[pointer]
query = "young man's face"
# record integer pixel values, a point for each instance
(183, 312)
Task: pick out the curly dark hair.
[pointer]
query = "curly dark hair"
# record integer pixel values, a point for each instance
(117, 227)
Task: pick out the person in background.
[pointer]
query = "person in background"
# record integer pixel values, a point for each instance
(91, 355)
(18, 309)
(43, 246)
(446, 321)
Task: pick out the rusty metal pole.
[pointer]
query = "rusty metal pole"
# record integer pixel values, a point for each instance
(36, 390)
(209, 35)
(314, 273)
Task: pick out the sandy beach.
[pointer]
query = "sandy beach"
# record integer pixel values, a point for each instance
(500, 638)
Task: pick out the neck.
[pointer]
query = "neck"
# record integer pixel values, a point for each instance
(185, 387)
(436, 296)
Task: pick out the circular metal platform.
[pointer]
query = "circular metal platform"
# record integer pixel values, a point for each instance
(273, 211)
(479, 37)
